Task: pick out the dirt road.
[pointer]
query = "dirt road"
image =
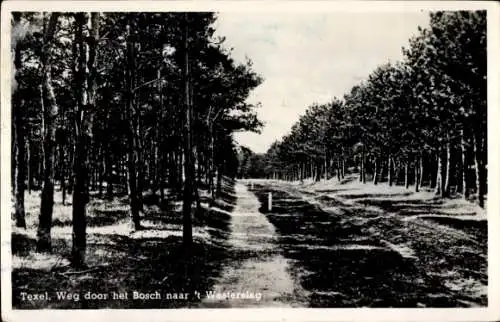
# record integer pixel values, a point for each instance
(259, 275)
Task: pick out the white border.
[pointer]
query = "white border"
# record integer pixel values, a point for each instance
(491, 313)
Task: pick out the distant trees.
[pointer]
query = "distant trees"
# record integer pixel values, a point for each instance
(418, 121)
(124, 103)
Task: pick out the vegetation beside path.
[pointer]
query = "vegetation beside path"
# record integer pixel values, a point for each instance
(354, 245)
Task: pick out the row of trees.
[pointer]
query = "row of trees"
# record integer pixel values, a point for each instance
(123, 102)
(422, 119)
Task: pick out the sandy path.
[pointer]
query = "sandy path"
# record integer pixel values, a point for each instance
(261, 270)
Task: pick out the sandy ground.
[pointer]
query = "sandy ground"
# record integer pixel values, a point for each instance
(262, 279)
(325, 244)
(357, 245)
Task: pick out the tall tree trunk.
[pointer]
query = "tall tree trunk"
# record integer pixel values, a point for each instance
(480, 170)
(407, 181)
(326, 166)
(30, 165)
(62, 171)
(375, 169)
(318, 171)
(86, 89)
(417, 177)
(70, 167)
(364, 170)
(381, 167)
(101, 166)
(109, 173)
(343, 165)
(440, 184)
(162, 185)
(219, 179)
(465, 166)
(211, 165)
(140, 164)
(389, 170)
(50, 110)
(421, 168)
(133, 117)
(418, 169)
(19, 124)
(339, 170)
(156, 143)
(362, 165)
(187, 229)
(446, 189)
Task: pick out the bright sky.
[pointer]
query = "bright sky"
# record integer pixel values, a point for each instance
(310, 57)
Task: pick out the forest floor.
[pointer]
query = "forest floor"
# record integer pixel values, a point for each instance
(325, 244)
(121, 260)
(354, 245)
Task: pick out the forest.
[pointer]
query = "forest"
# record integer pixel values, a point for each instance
(420, 121)
(109, 104)
(131, 188)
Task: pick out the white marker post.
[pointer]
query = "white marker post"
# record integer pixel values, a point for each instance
(270, 201)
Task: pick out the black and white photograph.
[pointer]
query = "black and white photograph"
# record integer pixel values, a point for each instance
(203, 158)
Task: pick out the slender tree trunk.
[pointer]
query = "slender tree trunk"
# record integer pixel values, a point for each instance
(343, 166)
(362, 165)
(326, 166)
(421, 171)
(109, 172)
(187, 229)
(19, 124)
(440, 184)
(133, 117)
(339, 170)
(50, 110)
(70, 167)
(418, 169)
(389, 170)
(417, 177)
(407, 181)
(317, 176)
(211, 165)
(375, 174)
(465, 166)
(381, 169)
(364, 169)
(480, 172)
(102, 170)
(29, 163)
(62, 173)
(156, 154)
(446, 189)
(219, 180)
(162, 186)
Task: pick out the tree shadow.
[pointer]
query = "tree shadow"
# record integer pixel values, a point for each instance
(96, 218)
(477, 227)
(23, 245)
(142, 265)
(344, 260)
(128, 263)
(373, 195)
